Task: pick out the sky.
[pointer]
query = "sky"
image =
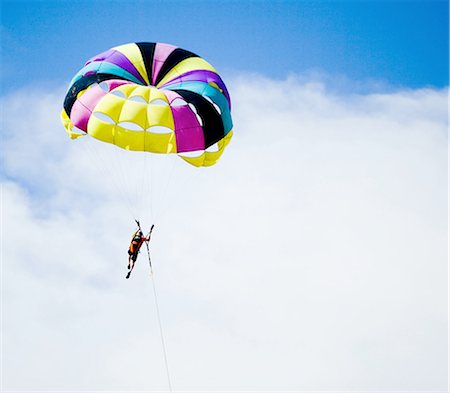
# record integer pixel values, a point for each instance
(401, 43)
(312, 257)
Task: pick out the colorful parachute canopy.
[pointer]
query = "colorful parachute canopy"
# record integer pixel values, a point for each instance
(151, 97)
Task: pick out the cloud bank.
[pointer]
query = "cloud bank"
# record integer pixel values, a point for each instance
(312, 257)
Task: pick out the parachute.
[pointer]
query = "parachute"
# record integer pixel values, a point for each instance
(151, 97)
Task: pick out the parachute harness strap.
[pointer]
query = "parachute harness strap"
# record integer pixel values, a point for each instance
(159, 318)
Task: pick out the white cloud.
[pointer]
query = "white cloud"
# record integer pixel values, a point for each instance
(313, 256)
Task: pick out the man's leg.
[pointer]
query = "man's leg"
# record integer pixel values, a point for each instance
(133, 260)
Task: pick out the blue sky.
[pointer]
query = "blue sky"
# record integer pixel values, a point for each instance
(402, 44)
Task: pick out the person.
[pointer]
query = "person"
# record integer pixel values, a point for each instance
(137, 241)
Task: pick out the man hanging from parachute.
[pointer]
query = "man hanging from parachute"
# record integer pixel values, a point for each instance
(154, 98)
(137, 241)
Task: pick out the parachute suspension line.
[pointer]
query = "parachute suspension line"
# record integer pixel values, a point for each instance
(151, 184)
(97, 159)
(121, 170)
(122, 162)
(155, 296)
(181, 182)
(164, 198)
(126, 167)
(144, 175)
(146, 186)
(148, 197)
(145, 182)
